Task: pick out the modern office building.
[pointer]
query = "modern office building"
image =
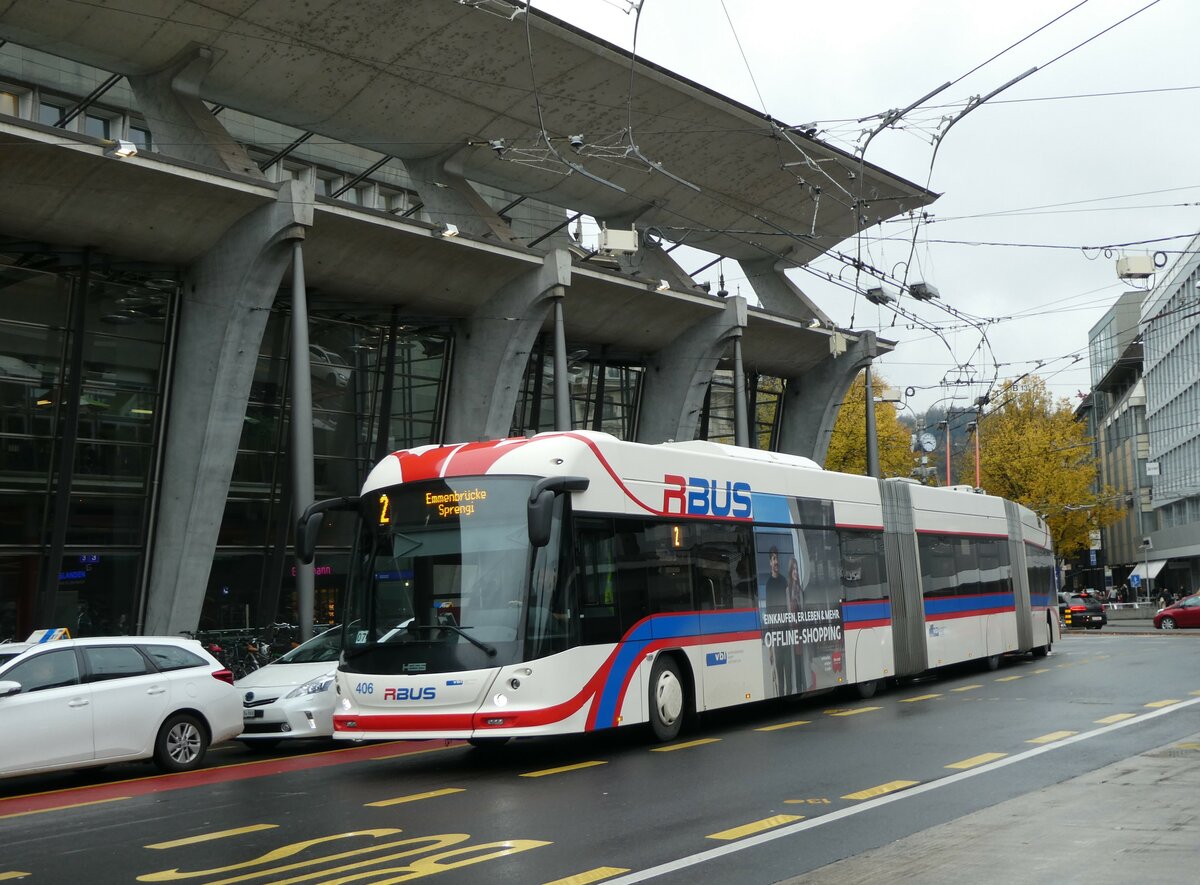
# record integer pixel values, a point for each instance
(1116, 412)
(1144, 413)
(1170, 326)
(179, 182)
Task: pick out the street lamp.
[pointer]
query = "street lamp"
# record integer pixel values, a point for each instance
(945, 425)
(973, 429)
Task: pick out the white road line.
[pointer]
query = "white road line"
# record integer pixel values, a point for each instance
(792, 829)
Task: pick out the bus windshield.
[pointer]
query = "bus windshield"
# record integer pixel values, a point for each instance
(441, 576)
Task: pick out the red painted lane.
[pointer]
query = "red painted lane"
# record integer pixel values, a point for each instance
(33, 803)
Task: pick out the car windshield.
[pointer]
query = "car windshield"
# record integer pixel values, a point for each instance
(319, 649)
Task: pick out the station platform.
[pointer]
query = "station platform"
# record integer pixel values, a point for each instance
(1137, 820)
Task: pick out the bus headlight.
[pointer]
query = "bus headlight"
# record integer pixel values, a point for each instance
(500, 700)
(514, 683)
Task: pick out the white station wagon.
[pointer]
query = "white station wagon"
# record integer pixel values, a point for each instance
(83, 703)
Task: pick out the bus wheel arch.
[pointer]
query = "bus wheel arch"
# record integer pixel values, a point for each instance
(671, 695)
(1041, 651)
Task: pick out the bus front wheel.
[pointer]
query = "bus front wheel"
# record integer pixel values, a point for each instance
(668, 699)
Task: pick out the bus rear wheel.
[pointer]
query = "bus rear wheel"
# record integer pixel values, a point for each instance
(668, 699)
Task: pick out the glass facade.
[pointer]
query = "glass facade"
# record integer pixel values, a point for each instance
(82, 351)
(83, 381)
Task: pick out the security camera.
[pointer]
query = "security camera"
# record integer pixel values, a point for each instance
(576, 141)
(497, 144)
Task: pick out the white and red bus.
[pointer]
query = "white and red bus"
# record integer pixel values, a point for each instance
(571, 582)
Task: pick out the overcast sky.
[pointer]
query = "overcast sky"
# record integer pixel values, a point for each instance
(1098, 147)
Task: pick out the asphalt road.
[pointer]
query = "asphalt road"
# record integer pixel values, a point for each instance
(755, 795)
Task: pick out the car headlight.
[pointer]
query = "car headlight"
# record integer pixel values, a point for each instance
(313, 686)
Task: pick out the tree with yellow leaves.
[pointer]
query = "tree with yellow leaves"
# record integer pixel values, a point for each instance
(1033, 451)
(848, 444)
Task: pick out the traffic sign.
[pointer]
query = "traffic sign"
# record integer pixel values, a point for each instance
(1135, 581)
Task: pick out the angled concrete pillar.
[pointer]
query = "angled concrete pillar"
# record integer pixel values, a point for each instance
(448, 197)
(491, 351)
(679, 374)
(651, 262)
(811, 400)
(226, 298)
(181, 124)
(779, 294)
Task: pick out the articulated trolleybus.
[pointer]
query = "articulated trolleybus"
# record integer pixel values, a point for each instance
(571, 582)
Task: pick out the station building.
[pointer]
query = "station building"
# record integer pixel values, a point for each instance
(213, 217)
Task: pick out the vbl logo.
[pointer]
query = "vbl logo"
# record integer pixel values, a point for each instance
(696, 496)
(428, 693)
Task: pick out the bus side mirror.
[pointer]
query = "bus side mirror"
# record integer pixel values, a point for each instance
(541, 504)
(306, 536)
(308, 527)
(541, 514)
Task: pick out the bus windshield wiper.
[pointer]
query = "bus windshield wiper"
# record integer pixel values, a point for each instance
(460, 631)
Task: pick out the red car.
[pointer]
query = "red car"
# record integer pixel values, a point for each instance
(1184, 613)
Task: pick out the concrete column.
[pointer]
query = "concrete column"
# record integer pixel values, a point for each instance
(777, 293)
(678, 376)
(810, 401)
(491, 352)
(226, 298)
(448, 197)
(181, 124)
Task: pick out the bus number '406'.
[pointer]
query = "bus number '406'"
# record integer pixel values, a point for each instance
(365, 688)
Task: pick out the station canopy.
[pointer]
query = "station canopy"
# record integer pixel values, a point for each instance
(524, 103)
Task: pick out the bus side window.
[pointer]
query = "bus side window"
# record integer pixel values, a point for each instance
(597, 573)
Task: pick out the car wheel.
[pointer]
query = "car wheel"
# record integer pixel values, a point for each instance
(668, 699)
(181, 743)
(1167, 623)
(1041, 651)
(261, 746)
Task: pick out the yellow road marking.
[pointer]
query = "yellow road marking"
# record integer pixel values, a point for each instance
(208, 837)
(1115, 717)
(784, 725)
(889, 787)
(596, 875)
(1168, 702)
(13, 874)
(1197, 692)
(1010, 678)
(1042, 670)
(400, 800)
(63, 807)
(562, 768)
(767, 823)
(1051, 737)
(853, 712)
(686, 745)
(967, 687)
(1191, 745)
(981, 759)
(920, 697)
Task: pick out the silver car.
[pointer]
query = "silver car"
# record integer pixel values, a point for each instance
(292, 697)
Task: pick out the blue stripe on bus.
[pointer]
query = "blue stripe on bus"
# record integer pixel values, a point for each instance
(631, 647)
(965, 605)
(854, 612)
(771, 508)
